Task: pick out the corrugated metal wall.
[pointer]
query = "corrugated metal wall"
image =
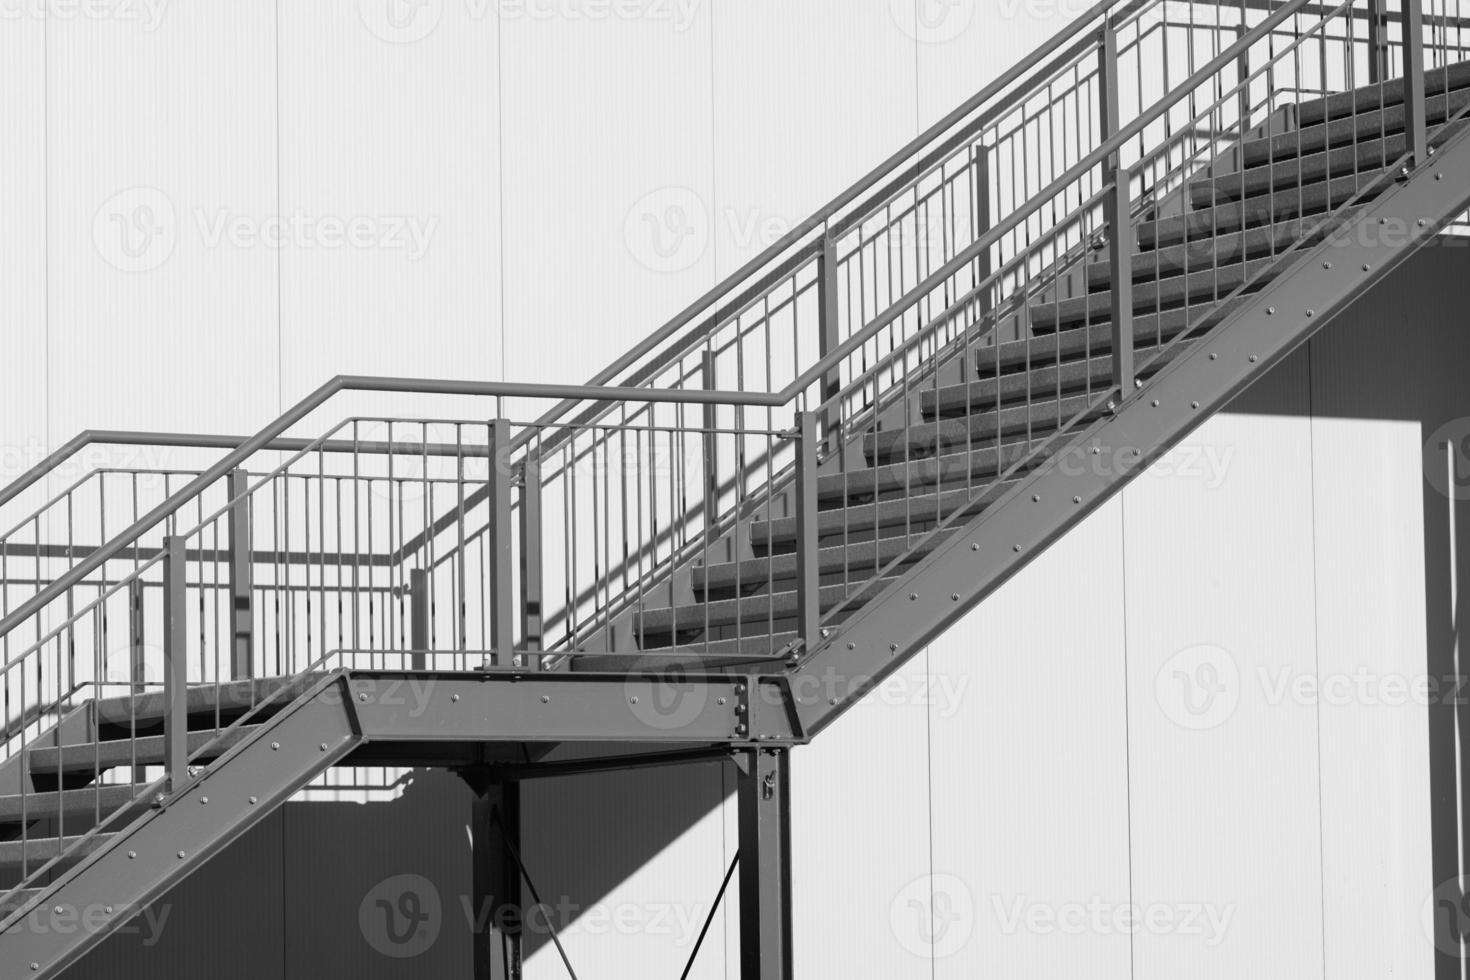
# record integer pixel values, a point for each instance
(1121, 728)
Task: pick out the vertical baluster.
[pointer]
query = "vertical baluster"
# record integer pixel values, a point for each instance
(175, 665)
(502, 606)
(711, 443)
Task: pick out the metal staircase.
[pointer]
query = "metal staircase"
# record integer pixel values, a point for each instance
(726, 538)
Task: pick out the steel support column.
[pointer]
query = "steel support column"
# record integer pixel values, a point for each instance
(497, 883)
(763, 786)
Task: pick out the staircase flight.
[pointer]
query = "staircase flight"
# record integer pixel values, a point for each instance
(730, 535)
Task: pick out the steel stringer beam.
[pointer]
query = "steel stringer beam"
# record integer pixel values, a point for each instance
(1102, 459)
(147, 857)
(538, 706)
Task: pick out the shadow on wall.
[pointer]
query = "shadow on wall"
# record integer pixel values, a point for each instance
(315, 891)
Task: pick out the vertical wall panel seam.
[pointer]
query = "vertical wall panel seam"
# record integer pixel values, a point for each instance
(1316, 649)
(500, 171)
(1127, 724)
(280, 299)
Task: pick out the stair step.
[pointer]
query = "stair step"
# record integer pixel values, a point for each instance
(1372, 123)
(1077, 341)
(224, 700)
(752, 614)
(30, 854)
(758, 574)
(1256, 213)
(1208, 284)
(90, 757)
(1044, 380)
(953, 470)
(1374, 96)
(89, 802)
(1205, 253)
(947, 435)
(892, 518)
(1368, 156)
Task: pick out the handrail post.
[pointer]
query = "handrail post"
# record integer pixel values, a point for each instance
(531, 558)
(242, 658)
(1107, 84)
(828, 339)
(1117, 213)
(808, 581)
(418, 618)
(1378, 67)
(711, 442)
(137, 653)
(175, 664)
(1414, 127)
(502, 605)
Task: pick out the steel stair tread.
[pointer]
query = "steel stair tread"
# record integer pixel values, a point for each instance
(760, 609)
(203, 699)
(1368, 157)
(1376, 95)
(1211, 284)
(920, 439)
(1309, 203)
(1371, 123)
(961, 469)
(36, 851)
(1044, 379)
(109, 753)
(1285, 176)
(890, 515)
(759, 573)
(85, 802)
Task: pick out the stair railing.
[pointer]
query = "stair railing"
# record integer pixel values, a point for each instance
(328, 595)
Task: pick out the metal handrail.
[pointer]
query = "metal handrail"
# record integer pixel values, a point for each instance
(574, 394)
